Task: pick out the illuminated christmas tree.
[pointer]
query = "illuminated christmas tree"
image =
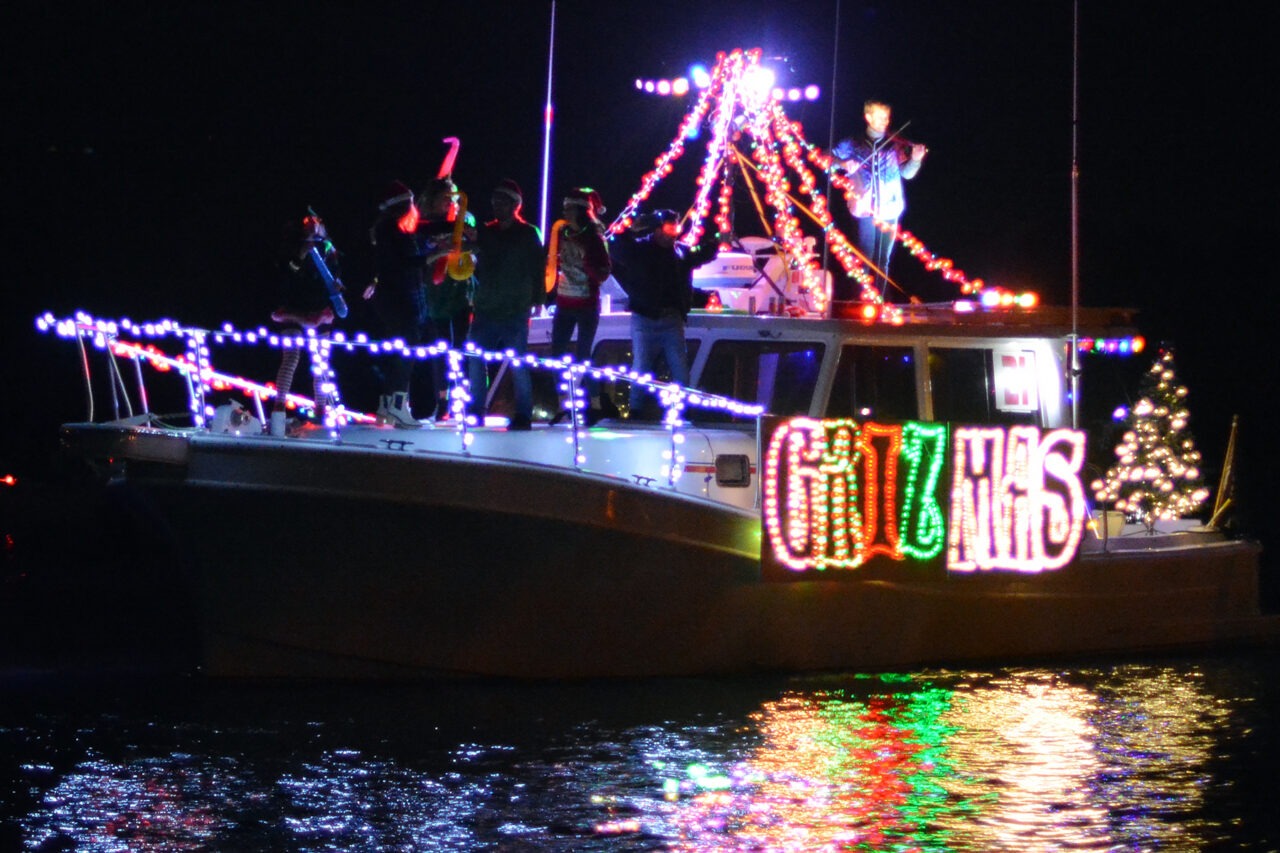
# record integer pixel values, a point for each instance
(1157, 473)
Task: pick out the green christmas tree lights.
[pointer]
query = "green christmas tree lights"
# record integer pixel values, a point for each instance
(1157, 471)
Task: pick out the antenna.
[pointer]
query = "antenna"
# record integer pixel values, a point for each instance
(1075, 215)
(831, 129)
(546, 129)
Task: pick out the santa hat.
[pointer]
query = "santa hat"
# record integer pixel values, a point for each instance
(397, 193)
(510, 189)
(438, 187)
(587, 198)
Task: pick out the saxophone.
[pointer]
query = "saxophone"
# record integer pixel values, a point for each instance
(460, 265)
(553, 254)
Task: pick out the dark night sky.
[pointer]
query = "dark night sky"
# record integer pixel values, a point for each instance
(153, 150)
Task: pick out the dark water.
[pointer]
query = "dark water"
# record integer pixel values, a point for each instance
(1161, 754)
(102, 749)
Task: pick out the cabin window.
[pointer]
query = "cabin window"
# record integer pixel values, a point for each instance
(971, 387)
(875, 383)
(779, 375)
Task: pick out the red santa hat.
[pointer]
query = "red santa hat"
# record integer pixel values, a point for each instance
(397, 193)
(510, 189)
(588, 198)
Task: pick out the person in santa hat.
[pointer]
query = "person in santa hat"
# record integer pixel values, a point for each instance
(305, 304)
(656, 271)
(509, 282)
(581, 265)
(448, 299)
(398, 298)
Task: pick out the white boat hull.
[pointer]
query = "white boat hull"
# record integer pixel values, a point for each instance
(306, 560)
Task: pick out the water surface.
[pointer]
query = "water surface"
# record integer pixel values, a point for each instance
(1165, 754)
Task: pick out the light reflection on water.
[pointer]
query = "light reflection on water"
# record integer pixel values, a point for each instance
(1139, 757)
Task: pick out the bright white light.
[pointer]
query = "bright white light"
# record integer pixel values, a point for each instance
(664, 87)
(648, 86)
(680, 86)
(793, 94)
(811, 92)
(700, 76)
(756, 83)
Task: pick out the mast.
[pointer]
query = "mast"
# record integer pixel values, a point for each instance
(1075, 215)
(546, 128)
(831, 132)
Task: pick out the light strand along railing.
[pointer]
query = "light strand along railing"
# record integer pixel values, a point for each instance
(196, 367)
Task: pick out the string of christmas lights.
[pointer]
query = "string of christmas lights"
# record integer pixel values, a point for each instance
(734, 108)
(194, 363)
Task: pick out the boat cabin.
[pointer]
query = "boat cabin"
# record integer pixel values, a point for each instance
(942, 364)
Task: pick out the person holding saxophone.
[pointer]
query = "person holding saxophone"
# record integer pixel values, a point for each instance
(577, 264)
(447, 232)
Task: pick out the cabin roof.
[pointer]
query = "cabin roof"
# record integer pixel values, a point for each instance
(942, 320)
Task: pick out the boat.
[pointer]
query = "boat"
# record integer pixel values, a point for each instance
(844, 484)
(822, 497)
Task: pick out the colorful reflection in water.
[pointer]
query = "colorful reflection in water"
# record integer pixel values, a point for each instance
(1025, 760)
(1133, 757)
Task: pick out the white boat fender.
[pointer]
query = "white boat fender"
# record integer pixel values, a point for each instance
(234, 419)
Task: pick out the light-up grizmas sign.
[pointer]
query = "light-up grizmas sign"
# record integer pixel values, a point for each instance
(837, 493)
(1017, 501)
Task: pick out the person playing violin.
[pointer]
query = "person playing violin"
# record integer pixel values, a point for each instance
(877, 163)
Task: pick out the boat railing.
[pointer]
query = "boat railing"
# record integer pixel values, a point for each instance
(133, 344)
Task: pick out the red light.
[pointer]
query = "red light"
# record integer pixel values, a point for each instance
(409, 222)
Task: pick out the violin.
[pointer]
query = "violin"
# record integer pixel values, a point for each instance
(905, 147)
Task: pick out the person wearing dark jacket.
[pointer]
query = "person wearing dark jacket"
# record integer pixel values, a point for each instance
(656, 272)
(398, 297)
(509, 282)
